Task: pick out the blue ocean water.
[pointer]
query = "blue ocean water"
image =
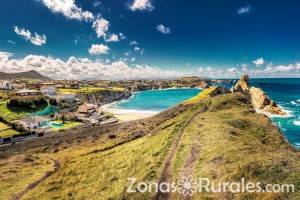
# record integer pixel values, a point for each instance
(157, 100)
(286, 93)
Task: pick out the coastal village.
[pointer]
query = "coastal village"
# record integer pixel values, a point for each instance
(32, 108)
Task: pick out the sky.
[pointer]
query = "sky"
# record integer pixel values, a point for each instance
(132, 39)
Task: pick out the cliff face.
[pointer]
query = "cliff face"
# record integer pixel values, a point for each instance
(103, 97)
(257, 96)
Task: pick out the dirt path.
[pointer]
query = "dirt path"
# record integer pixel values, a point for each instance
(31, 186)
(188, 168)
(166, 175)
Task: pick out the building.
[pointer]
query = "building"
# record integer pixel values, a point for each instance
(86, 110)
(33, 122)
(5, 85)
(27, 92)
(48, 91)
(68, 98)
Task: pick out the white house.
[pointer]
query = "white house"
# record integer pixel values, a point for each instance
(5, 85)
(27, 92)
(33, 122)
(48, 90)
(68, 98)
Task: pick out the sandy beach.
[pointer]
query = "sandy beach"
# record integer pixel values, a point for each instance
(125, 115)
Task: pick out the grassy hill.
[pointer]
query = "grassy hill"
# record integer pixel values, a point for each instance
(220, 138)
(32, 74)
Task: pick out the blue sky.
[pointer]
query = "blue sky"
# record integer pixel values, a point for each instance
(163, 38)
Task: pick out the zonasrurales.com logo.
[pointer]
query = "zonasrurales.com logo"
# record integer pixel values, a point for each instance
(187, 186)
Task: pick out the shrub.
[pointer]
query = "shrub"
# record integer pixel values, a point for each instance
(53, 102)
(27, 103)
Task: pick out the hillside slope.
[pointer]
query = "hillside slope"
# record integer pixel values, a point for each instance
(220, 138)
(32, 74)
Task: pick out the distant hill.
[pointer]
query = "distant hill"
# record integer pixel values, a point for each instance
(32, 74)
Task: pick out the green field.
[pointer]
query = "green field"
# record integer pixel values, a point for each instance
(3, 126)
(9, 115)
(66, 125)
(87, 90)
(9, 132)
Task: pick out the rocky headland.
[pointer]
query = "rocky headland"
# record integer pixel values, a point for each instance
(260, 101)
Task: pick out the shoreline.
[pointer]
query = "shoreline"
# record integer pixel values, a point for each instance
(125, 115)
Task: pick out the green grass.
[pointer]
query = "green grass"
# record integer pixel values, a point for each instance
(203, 94)
(87, 90)
(66, 125)
(233, 143)
(3, 126)
(9, 115)
(3, 95)
(19, 171)
(9, 132)
(104, 174)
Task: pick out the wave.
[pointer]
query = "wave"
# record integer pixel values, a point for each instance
(297, 145)
(296, 122)
(289, 113)
(294, 103)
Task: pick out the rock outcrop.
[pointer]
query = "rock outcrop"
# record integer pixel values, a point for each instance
(219, 91)
(259, 99)
(203, 84)
(242, 85)
(103, 97)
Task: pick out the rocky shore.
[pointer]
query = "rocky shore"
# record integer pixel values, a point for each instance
(259, 99)
(104, 97)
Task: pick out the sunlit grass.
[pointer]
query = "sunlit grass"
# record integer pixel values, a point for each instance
(10, 115)
(87, 90)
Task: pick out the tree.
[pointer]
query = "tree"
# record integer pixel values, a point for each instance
(63, 118)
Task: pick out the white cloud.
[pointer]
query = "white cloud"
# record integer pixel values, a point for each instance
(11, 42)
(163, 29)
(259, 62)
(138, 50)
(208, 72)
(232, 70)
(35, 39)
(122, 36)
(112, 38)
(133, 43)
(5, 55)
(97, 3)
(245, 68)
(97, 49)
(101, 27)
(141, 5)
(83, 68)
(244, 10)
(68, 8)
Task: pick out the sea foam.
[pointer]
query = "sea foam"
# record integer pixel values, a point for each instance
(296, 122)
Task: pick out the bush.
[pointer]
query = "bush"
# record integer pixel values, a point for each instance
(27, 103)
(53, 102)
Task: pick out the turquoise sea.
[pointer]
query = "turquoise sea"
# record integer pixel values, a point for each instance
(156, 100)
(286, 92)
